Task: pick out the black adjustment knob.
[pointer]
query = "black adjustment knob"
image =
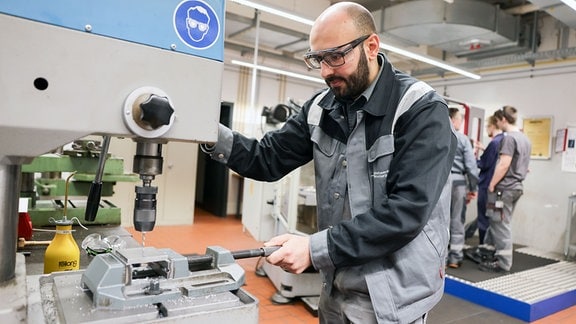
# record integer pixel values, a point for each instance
(156, 111)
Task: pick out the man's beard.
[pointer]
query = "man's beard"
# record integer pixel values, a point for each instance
(353, 85)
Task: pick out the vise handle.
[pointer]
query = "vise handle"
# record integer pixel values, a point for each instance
(198, 262)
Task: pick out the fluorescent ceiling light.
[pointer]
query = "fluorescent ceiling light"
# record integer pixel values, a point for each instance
(390, 48)
(429, 60)
(570, 3)
(275, 11)
(278, 71)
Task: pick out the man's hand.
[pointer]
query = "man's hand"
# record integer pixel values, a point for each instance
(294, 255)
(471, 195)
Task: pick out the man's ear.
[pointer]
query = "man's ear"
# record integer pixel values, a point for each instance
(372, 46)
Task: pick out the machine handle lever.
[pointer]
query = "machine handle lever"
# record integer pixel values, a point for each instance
(261, 252)
(95, 194)
(93, 201)
(199, 262)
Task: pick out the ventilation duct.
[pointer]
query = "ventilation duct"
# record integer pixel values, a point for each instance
(558, 10)
(464, 28)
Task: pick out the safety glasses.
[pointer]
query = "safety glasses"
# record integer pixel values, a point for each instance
(333, 57)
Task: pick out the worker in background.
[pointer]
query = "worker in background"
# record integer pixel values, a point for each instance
(504, 190)
(381, 166)
(464, 177)
(486, 165)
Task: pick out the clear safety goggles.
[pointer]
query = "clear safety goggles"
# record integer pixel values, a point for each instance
(333, 57)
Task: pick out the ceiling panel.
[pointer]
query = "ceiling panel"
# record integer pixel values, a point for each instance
(480, 34)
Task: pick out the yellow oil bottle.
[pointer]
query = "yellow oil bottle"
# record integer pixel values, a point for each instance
(62, 253)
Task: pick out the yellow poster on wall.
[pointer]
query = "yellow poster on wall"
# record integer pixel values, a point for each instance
(539, 132)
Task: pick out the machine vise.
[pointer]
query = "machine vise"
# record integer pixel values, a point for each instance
(146, 284)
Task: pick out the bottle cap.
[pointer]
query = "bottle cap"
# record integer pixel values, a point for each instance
(23, 205)
(62, 222)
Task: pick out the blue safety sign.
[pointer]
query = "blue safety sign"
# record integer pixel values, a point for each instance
(197, 24)
(188, 26)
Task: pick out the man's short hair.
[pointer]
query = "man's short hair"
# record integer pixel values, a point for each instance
(510, 113)
(492, 120)
(453, 111)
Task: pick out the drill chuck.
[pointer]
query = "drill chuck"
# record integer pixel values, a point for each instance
(145, 208)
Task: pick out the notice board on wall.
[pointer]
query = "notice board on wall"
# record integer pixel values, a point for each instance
(569, 154)
(539, 131)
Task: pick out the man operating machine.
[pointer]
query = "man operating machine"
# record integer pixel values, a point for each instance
(134, 69)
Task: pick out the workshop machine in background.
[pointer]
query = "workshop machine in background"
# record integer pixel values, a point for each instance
(140, 69)
(43, 181)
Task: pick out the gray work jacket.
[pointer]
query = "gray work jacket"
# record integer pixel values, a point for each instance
(394, 178)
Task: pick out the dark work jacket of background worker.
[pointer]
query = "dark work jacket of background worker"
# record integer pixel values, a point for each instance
(395, 242)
